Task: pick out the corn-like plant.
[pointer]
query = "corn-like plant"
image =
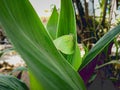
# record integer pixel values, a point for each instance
(51, 54)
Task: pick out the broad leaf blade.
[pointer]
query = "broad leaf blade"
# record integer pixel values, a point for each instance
(52, 23)
(100, 45)
(34, 84)
(11, 83)
(65, 44)
(67, 26)
(77, 59)
(67, 22)
(33, 43)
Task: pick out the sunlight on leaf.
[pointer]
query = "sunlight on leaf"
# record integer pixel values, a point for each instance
(65, 44)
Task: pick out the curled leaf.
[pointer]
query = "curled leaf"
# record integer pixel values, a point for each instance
(65, 44)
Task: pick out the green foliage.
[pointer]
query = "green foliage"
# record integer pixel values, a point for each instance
(5, 51)
(31, 40)
(11, 83)
(21, 69)
(52, 24)
(65, 44)
(100, 45)
(110, 62)
(49, 69)
(34, 83)
(67, 26)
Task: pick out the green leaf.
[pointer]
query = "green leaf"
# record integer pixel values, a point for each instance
(34, 84)
(31, 40)
(100, 45)
(11, 83)
(77, 59)
(67, 22)
(67, 26)
(5, 51)
(65, 44)
(52, 23)
(21, 69)
(1, 53)
(110, 62)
